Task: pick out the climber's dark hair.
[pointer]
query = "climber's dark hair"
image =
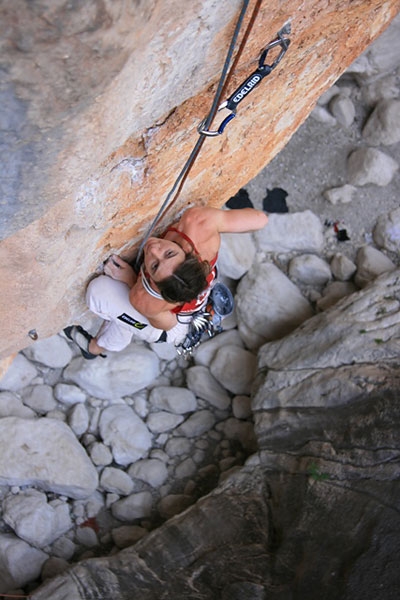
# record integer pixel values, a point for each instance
(186, 282)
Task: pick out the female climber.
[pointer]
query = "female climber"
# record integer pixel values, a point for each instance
(174, 281)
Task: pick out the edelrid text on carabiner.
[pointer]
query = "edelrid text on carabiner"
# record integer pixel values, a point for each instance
(251, 82)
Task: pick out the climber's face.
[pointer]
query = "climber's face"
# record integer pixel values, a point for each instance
(162, 257)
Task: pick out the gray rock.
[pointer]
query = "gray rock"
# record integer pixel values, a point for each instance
(327, 96)
(173, 399)
(236, 254)
(235, 368)
(121, 374)
(369, 165)
(241, 407)
(69, 394)
(94, 504)
(325, 356)
(19, 562)
(45, 453)
(206, 386)
(34, 520)
(387, 231)
(335, 291)
(310, 270)
(161, 421)
(86, 536)
(268, 305)
(127, 535)
(53, 566)
(322, 115)
(383, 125)
(240, 431)
(343, 109)
(177, 446)
(19, 374)
(197, 424)
(11, 406)
(39, 398)
(185, 469)
(206, 351)
(54, 352)
(384, 88)
(135, 506)
(381, 57)
(151, 471)
(100, 454)
(125, 433)
(342, 267)
(164, 351)
(173, 505)
(116, 481)
(78, 419)
(340, 195)
(299, 232)
(371, 263)
(63, 547)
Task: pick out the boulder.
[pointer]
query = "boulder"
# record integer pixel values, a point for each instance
(383, 125)
(369, 165)
(207, 386)
(19, 562)
(291, 232)
(235, 368)
(35, 520)
(18, 375)
(371, 263)
(309, 269)
(342, 267)
(125, 433)
(53, 352)
(387, 231)
(120, 374)
(45, 453)
(173, 399)
(340, 195)
(236, 254)
(268, 305)
(343, 109)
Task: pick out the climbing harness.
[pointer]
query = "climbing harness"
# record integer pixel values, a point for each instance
(251, 82)
(206, 323)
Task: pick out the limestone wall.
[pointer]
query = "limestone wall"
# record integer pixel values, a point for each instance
(100, 104)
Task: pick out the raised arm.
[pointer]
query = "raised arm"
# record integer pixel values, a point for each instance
(240, 220)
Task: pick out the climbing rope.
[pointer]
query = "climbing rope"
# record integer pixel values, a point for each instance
(225, 77)
(173, 194)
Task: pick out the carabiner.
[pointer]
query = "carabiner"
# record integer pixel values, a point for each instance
(224, 123)
(251, 82)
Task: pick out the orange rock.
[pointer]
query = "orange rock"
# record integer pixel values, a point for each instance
(108, 105)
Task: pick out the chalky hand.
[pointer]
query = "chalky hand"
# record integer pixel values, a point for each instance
(119, 269)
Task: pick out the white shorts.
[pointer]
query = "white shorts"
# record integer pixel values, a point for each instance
(109, 299)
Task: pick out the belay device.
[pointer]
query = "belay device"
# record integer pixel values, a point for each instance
(251, 82)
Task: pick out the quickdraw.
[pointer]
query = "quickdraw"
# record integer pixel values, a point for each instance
(251, 82)
(206, 323)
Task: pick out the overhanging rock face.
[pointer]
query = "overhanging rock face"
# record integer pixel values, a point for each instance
(101, 105)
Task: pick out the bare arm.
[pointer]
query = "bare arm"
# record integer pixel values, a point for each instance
(240, 220)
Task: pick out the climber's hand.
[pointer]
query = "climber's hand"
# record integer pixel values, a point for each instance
(119, 269)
